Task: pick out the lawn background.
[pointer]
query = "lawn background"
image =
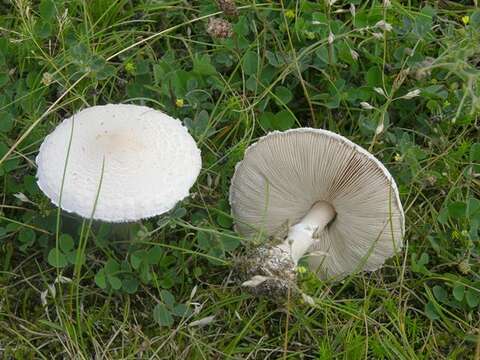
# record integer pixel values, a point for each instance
(72, 289)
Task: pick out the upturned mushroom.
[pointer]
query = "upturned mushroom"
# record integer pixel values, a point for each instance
(324, 197)
(118, 163)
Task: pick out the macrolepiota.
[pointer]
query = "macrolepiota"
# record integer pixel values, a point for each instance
(118, 163)
(324, 197)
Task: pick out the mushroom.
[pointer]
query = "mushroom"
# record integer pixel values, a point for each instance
(324, 197)
(118, 163)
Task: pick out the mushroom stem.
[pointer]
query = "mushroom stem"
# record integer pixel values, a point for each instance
(300, 236)
(271, 271)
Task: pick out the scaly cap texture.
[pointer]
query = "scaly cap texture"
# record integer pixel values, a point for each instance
(149, 163)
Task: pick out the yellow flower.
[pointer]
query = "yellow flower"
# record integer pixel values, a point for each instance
(301, 269)
(290, 14)
(466, 19)
(397, 157)
(130, 67)
(179, 103)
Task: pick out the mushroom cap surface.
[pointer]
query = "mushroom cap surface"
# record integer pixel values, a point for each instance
(285, 173)
(125, 163)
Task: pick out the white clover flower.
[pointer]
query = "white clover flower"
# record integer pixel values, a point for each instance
(379, 128)
(379, 91)
(365, 105)
(22, 197)
(43, 297)
(331, 38)
(62, 279)
(354, 54)
(193, 292)
(52, 290)
(384, 25)
(352, 9)
(202, 322)
(411, 94)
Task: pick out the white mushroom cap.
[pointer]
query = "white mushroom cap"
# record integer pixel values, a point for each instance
(149, 162)
(285, 173)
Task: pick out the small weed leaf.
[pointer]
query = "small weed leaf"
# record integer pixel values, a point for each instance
(66, 254)
(223, 217)
(179, 212)
(3, 81)
(250, 63)
(130, 284)
(266, 120)
(56, 258)
(112, 266)
(473, 209)
(431, 312)
(165, 312)
(230, 241)
(374, 77)
(74, 257)
(27, 238)
(283, 94)
(47, 10)
(459, 292)
(443, 215)
(114, 282)
(136, 259)
(224, 221)
(6, 119)
(101, 279)
(66, 243)
(181, 310)
(110, 277)
(440, 293)
(203, 66)
(154, 255)
(475, 154)
(241, 27)
(473, 297)
(457, 210)
(215, 245)
(162, 315)
(167, 298)
(283, 120)
(142, 260)
(418, 264)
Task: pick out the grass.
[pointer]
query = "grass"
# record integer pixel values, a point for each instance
(280, 69)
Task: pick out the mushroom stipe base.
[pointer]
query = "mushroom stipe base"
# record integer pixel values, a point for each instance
(272, 270)
(269, 271)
